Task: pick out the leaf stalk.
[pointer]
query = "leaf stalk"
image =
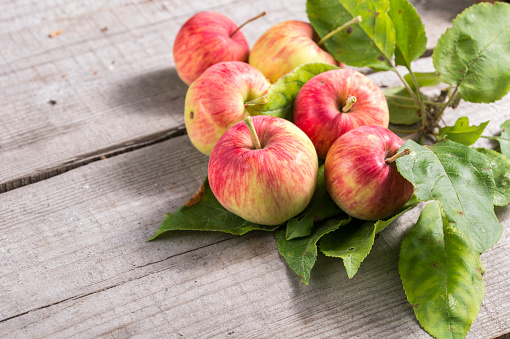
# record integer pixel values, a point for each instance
(424, 121)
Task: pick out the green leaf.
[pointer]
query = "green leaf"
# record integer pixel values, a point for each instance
(281, 95)
(424, 79)
(369, 43)
(505, 134)
(411, 41)
(403, 109)
(475, 52)
(501, 170)
(462, 133)
(382, 224)
(353, 243)
(461, 179)
(321, 207)
(441, 275)
(301, 253)
(203, 212)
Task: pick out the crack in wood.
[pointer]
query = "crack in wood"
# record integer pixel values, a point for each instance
(88, 158)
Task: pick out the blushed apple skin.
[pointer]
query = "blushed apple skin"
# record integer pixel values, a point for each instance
(358, 179)
(204, 40)
(317, 109)
(286, 46)
(269, 185)
(215, 101)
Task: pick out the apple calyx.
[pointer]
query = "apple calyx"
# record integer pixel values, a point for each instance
(249, 122)
(389, 160)
(351, 100)
(349, 23)
(246, 22)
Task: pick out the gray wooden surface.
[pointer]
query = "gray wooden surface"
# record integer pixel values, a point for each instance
(74, 257)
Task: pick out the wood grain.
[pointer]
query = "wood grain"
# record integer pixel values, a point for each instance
(110, 75)
(75, 263)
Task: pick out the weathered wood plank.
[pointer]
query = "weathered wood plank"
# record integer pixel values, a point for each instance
(111, 75)
(75, 263)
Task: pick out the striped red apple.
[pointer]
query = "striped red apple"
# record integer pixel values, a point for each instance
(215, 101)
(361, 175)
(264, 171)
(286, 46)
(208, 38)
(334, 102)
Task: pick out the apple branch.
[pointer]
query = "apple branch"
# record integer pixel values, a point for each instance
(351, 22)
(450, 100)
(398, 155)
(351, 100)
(244, 24)
(249, 122)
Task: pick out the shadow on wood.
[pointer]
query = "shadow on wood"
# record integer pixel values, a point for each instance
(159, 93)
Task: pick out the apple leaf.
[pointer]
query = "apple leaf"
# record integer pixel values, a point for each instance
(411, 40)
(280, 97)
(462, 133)
(450, 172)
(474, 53)
(321, 207)
(504, 140)
(501, 169)
(354, 242)
(441, 274)
(403, 109)
(369, 43)
(301, 253)
(424, 79)
(203, 212)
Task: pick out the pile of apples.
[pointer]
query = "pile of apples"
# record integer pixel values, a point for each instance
(264, 169)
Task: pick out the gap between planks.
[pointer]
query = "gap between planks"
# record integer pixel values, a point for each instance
(88, 158)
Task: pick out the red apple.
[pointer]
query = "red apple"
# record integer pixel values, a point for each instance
(267, 183)
(215, 101)
(361, 175)
(204, 40)
(286, 46)
(334, 102)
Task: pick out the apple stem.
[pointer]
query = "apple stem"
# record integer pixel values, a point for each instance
(351, 100)
(351, 22)
(259, 101)
(406, 151)
(249, 122)
(255, 18)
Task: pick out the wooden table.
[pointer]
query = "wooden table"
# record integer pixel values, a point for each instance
(93, 153)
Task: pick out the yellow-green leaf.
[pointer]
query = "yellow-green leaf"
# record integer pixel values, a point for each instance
(441, 274)
(369, 43)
